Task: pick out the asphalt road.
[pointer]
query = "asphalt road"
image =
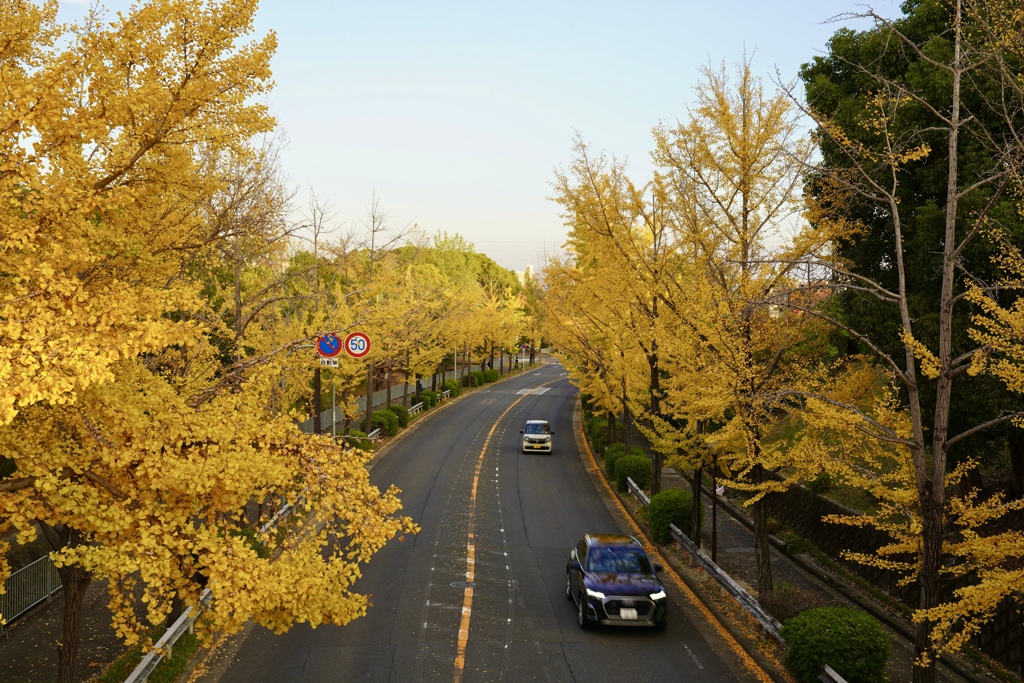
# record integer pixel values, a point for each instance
(518, 525)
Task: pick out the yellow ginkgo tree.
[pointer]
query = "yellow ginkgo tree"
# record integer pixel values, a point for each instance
(136, 444)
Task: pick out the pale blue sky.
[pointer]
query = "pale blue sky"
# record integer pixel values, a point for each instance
(458, 112)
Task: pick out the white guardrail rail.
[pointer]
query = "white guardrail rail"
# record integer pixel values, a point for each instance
(769, 623)
(186, 622)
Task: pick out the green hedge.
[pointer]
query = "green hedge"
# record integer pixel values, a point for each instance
(851, 642)
(671, 506)
(453, 386)
(357, 439)
(636, 467)
(597, 430)
(475, 378)
(427, 398)
(386, 420)
(402, 413)
(491, 375)
(613, 452)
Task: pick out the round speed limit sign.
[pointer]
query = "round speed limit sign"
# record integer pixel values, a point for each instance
(357, 344)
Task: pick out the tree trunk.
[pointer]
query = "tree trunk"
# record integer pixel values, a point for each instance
(625, 418)
(611, 426)
(177, 609)
(932, 491)
(405, 381)
(316, 401)
(657, 459)
(1016, 445)
(369, 399)
(928, 582)
(762, 549)
(75, 580)
(698, 475)
(972, 481)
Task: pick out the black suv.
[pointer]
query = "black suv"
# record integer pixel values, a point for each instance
(613, 582)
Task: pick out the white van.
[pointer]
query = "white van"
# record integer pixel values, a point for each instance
(536, 436)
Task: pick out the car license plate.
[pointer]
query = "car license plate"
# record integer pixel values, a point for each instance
(537, 445)
(628, 613)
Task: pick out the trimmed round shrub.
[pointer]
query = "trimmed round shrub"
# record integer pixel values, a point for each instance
(427, 398)
(453, 386)
(671, 506)
(402, 413)
(636, 467)
(357, 439)
(386, 420)
(477, 378)
(613, 452)
(491, 375)
(851, 642)
(597, 430)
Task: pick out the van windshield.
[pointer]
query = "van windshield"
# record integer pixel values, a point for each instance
(537, 429)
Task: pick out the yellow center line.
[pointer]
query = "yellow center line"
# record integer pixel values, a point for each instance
(467, 595)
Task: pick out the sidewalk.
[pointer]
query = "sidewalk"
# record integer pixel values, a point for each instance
(28, 646)
(736, 557)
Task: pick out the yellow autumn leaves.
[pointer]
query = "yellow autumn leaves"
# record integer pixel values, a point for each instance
(150, 305)
(708, 304)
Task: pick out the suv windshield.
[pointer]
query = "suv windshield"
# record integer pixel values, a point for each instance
(618, 561)
(537, 429)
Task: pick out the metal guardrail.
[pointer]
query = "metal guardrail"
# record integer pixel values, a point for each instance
(446, 394)
(637, 491)
(186, 622)
(769, 623)
(374, 435)
(830, 676)
(27, 587)
(416, 408)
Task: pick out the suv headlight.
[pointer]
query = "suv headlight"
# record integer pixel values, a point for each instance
(660, 595)
(595, 594)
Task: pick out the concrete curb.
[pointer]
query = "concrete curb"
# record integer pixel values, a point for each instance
(681, 572)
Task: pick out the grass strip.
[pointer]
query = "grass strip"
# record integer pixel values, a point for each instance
(167, 671)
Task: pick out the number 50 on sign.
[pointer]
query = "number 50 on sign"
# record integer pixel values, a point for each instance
(357, 344)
